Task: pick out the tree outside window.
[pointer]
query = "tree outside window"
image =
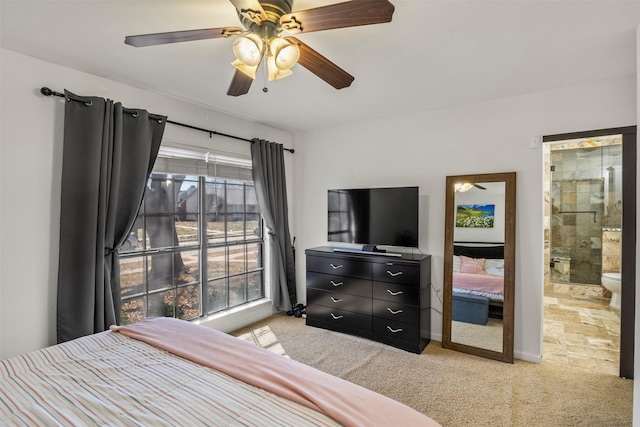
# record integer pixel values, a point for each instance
(195, 249)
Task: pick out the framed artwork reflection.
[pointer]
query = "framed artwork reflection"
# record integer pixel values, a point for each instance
(475, 216)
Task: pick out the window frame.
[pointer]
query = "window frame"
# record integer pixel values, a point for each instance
(203, 245)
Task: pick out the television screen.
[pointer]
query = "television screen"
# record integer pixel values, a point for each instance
(374, 216)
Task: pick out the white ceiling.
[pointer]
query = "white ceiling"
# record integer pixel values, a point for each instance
(433, 54)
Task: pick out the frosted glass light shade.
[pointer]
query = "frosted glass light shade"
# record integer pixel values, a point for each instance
(248, 50)
(460, 188)
(248, 70)
(285, 53)
(276, 73)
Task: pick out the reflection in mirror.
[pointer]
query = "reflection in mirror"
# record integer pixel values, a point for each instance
(479, 249)
(478, 266)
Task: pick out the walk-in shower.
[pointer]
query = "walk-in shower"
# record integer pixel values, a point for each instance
(585, 223)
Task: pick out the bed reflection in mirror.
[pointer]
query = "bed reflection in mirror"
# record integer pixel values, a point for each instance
(478, 294)
(479, 232)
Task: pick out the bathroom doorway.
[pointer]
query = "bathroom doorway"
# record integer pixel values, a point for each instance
(587, 175)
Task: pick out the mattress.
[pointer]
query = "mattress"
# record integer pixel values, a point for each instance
(484, 285)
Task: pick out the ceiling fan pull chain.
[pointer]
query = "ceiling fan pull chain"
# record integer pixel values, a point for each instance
(265, 74)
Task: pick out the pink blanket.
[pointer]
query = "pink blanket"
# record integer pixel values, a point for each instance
(347, 403)
(479, 282)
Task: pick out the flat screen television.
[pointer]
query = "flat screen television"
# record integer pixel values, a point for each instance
(374, 216)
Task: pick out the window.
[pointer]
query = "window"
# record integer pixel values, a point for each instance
(340, 228)
(196, 247)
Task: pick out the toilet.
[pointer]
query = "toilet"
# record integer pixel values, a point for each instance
(611, 281)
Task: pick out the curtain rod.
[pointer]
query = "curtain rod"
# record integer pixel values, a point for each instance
(48, 92)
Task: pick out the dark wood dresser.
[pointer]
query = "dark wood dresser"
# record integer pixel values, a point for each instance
(383, 298)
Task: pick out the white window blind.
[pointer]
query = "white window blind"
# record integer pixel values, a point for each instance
(198, 161)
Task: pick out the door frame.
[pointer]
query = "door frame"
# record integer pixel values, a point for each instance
(628, 262)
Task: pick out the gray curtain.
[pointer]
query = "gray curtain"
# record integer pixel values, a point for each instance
(108, 154)
(271, 191)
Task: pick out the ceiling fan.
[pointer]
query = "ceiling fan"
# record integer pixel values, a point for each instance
(262, 39)
(466, 186)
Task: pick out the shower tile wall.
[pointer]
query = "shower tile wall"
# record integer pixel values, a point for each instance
(611, 251)
(584, 199)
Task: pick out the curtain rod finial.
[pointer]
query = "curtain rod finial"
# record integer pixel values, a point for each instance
(48, 92)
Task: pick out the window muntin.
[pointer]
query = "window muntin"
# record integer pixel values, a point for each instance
(196, 249)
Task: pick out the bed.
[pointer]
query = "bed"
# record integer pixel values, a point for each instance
(478, 270)
(169, 372)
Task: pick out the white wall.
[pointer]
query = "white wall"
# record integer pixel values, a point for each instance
(423, 148)
(30, 174)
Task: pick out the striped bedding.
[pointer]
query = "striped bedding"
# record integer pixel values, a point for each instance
(110, 379)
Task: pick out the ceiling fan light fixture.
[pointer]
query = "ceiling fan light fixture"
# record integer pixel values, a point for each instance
(276, 73)
(282, 56)
(285, 53)
(250, 71)
(248, 50)
(259, 40)
(462, 187)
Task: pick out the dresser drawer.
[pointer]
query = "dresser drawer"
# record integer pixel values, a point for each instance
(339, 301)
(342, 320)
(388, 330)
(396, 273)
(339, 267)
(396, 312)
(342, 284)
(398, 294)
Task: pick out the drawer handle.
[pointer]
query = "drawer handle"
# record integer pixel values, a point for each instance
(393, 311)
(337, 284)
(394, 293)
(395, 331)
(336, 299)
(394, 274)
(336, 317)
(335, 267)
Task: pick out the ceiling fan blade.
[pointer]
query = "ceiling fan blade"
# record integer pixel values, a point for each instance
(479, 186)
(240, 84)
(321, 66)
(143, 40)
(251, 9)
(340, 15)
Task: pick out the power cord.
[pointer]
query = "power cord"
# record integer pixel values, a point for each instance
(439, 299)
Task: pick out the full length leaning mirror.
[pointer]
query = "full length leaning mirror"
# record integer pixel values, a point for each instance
(479, 265)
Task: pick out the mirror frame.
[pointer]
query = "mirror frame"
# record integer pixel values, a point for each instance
(509, 178)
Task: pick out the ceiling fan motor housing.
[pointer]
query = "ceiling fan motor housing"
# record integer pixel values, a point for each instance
(274, 9)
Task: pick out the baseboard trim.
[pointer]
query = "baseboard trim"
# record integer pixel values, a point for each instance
(527, 357)
(436, 337)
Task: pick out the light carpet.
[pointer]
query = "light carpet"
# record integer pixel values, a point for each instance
(487, 336)
(455, 389)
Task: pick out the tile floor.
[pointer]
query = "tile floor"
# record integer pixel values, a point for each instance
(580, 329)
